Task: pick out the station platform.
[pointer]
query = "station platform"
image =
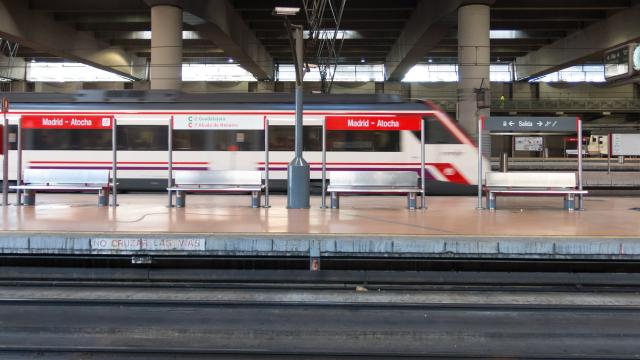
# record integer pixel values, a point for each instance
(365, 226)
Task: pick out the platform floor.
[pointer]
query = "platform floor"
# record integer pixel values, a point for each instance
(147, 213)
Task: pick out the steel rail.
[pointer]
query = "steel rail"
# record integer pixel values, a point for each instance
(155, 303)
(268, 354)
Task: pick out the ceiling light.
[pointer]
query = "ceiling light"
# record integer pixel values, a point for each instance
(286, 11)
(362, 60)
(230, 60)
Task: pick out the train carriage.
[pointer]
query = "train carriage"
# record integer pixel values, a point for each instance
(143, 118)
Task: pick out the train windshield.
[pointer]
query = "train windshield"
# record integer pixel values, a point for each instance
(437, 132)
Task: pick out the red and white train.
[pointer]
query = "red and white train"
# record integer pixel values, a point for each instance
(142, 131)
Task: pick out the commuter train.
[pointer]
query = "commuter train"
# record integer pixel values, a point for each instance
(143, 119)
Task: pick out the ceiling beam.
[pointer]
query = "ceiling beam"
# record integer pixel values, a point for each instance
(431, 22)
(128, 17)
(100, 6)
(39, 31)
(253, 5)
(525, 5)
(591, 42)
(219, 22)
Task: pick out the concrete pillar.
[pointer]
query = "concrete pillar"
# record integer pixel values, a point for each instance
(473, 62)
(166, 47)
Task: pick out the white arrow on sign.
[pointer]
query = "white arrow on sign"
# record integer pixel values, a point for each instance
(539, 123)
(510, 123)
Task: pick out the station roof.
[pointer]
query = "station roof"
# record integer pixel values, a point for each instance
(374, 27)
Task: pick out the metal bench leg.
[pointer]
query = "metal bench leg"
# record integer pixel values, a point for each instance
(181, 199)
(579, 202)
(335, 200)
(103, 197)
(411, 201)
(491, 200)
(255, 199)
(569, 202)
(29, 198)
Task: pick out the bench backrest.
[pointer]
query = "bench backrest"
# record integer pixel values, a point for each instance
(218, 177)
(66, 176)
(531, 179)
(374, 178)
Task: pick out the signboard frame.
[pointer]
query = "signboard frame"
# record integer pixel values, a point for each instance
(494, 124)
(67, 122)
(253, 122)
(372, 123)
(618, 147)
(625, 56)
(530, 124)
(69, 126)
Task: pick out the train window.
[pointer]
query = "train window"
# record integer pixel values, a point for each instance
(13, 131)
(282, 138)
(374, 141)
(42, 139)
(142, 138)
(437, 133)
(224, 140)
(155, 138)
(133, 138)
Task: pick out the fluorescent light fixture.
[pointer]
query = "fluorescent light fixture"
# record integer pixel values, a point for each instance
(230, 60)
(329, 34)
(286, 11)
(507, 34)
(146, 35)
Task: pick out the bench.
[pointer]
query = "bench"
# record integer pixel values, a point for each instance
(64, 180)
(532, 184)
(398, 182)
(217, 181)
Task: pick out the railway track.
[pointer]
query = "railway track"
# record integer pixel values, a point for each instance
(195, 329)
(527, 317)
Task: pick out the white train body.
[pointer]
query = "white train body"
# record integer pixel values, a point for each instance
(451, 162)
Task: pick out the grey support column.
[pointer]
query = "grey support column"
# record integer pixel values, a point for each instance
(298, 170)
(166, 45)
(473, 62)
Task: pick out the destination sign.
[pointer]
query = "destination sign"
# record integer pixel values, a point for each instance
(530, 124)
(374, 122)
(72, 122)
(218, 122)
